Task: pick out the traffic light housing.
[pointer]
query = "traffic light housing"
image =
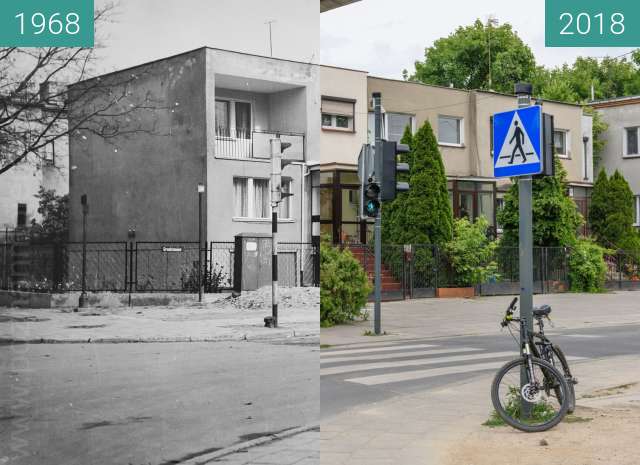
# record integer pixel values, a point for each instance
(391, 168)
(548, 147)
(372, 199)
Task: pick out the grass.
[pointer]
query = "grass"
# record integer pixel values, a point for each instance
(325, 346)
(368, 332)
(542, 412)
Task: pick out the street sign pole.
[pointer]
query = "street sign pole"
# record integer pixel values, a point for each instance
(377, 316)
(525, 233)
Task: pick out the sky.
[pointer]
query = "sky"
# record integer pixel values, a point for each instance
(144, 30)
(384, 37)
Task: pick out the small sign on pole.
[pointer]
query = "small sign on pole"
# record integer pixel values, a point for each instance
(171, 249)
(517, 142)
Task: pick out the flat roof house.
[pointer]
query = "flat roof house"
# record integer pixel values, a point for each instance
(621, 151)
(462, 122)
(209, 117)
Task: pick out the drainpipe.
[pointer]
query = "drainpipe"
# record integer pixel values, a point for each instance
(585, 141)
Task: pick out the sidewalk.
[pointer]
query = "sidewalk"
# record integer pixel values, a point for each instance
(300, 449)
(221, 317)
(423, 318)
(444, 426)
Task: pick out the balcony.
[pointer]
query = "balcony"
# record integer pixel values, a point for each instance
(244, 144)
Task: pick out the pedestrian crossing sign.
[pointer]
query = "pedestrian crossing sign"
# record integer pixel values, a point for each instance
(517, 142)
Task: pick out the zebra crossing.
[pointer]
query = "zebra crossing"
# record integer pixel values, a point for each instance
(397, 362)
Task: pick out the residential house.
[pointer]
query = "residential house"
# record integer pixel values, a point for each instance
(47, 169)
(621, 151)
(462, 122)
(215, 112)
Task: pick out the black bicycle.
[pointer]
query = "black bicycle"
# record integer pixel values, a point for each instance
(529, 393)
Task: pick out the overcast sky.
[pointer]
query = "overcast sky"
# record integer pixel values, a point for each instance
(383, 36)
(143, 30)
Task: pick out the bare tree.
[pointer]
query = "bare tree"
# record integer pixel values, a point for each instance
(38, 86)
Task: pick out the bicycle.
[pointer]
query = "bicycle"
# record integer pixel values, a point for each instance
(529, 393)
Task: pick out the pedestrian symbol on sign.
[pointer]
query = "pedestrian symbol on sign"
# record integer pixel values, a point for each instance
(517, 142)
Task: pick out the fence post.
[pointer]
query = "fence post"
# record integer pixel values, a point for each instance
(436, 251)
(404, 273)
(619, 266)
(315, 242)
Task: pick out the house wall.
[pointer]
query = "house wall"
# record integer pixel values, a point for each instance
(340, 147)
(295, 109)
(618, 118)
(147, 181)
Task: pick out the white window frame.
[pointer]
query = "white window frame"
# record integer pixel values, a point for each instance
(334, 123)
(636, 204)
(251, 208)
(567, 143)
(49, 154)
(232, 116)
(385, 124)
(625, 144)
(461, 135)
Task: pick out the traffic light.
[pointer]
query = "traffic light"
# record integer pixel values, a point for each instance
(548, 147)
(391, 168)
(278, 164)
(372, 199)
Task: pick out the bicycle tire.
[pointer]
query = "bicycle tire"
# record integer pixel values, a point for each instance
(548, 370)
(568, 377)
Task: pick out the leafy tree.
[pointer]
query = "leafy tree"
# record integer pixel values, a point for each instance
(462, 59)
(612, 212)
(423, 215)
(54, 210)
(555, 217)
(471, 252)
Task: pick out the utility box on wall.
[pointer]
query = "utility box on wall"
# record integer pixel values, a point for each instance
(252, 261)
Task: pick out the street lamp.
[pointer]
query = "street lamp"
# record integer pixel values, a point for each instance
(82, 302)
(201, 190)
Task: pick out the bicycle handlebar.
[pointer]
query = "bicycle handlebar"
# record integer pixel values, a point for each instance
(508, 317)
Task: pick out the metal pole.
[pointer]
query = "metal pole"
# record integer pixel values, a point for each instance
(377, 311)
(276, 183)
(82, 302)
(525, 199)
(200, 221)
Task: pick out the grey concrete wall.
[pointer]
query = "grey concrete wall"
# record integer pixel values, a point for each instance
(618, 118)
(148, 180)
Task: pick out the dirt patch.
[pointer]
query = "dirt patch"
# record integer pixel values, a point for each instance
(290, 297)
(21, 319)
(86, 326)
(612, 391)
(609, 437)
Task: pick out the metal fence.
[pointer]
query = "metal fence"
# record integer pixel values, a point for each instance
(418, 270)
(138, 266)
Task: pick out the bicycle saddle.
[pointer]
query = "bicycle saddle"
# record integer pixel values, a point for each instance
(541, 311)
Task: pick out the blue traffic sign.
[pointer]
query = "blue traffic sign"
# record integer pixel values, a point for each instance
(517, 142)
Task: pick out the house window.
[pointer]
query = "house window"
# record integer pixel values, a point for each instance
(22, 215)
(636, 204)
(285, 204)
(450, 130)
(251, 198)
(233, 119)
(49, 154)
(631, 141)
(561, 143)
(338, 114)
(396, 124)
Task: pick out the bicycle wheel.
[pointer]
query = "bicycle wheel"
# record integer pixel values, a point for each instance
(557, 353)
(537, 396)
(554, 355)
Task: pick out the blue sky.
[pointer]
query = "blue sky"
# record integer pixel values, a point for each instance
(384, 36)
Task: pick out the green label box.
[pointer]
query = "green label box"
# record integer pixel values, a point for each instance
(46, 23)
(592, 23)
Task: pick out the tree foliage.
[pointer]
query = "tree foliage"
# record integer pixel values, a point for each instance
(54, 211)
(611, 215)
(462, 59)
(423, 214)
(587, 268)
(555, 217)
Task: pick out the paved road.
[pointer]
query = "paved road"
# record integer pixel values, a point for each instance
(149, 403)
(365, 373)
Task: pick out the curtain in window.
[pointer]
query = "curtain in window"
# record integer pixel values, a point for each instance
(261, 198)
(448, 130)
(397, 123)
(243, 120)
(222, 118)
(240, 197)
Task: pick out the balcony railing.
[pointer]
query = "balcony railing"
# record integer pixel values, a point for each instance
(247, 144)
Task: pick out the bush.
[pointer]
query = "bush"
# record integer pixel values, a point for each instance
(344, 286)
(471, 253)
(587, 268)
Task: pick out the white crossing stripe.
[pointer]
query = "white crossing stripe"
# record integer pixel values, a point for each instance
(418, 362)
(583, 335)
(375, 349)
(429, 373)
(416, 353)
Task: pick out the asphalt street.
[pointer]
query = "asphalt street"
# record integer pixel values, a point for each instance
(365, 373)
(159, 404)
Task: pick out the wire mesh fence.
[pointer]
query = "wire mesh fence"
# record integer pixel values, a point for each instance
(139, 266)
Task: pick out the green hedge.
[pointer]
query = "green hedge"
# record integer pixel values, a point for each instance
(344, 286)
(587, 269)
